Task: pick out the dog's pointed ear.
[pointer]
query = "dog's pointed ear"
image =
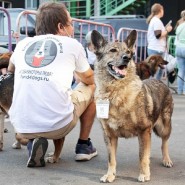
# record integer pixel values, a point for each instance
(131, 39)
(97, 40)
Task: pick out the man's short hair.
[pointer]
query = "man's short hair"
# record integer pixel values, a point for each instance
(49, 15)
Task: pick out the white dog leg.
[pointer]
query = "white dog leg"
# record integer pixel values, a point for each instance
(111, 173)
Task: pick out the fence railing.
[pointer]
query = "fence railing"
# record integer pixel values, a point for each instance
(24, 14)
(9, 28)
(82, 27)
(141, 42)
(171, 44)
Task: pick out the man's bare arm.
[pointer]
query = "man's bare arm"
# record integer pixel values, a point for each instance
(87, 77)
(11, 67)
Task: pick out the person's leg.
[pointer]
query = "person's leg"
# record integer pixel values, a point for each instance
(86, 110)
(180, 75)
(86, 120)
(180, 56)
(84, 148)
(184, 77)
(159, 74)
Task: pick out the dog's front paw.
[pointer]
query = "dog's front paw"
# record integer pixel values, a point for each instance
(16, 145)
(167, 163)
(51, 158)
(143, 178)
(107, 178)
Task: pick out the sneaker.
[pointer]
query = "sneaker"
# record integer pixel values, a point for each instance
(38, 151)
(85, 152)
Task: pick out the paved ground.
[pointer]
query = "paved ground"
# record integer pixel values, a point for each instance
(13, 170)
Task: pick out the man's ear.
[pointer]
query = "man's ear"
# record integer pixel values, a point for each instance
(131, 39)
(97, 40)
(60, 28)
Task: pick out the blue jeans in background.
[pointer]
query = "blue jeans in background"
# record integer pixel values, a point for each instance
(160, 71)
(180, 56)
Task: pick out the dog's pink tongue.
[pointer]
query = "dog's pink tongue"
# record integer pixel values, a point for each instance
(120, 71)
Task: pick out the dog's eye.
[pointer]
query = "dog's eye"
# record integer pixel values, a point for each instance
(128, 51)
(113, 50)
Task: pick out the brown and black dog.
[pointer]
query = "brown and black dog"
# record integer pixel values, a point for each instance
(6, 94)
(148, 68)
(136, 107)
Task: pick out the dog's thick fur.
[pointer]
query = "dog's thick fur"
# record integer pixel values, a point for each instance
(136, 106)
(148, 68)
(6, 94)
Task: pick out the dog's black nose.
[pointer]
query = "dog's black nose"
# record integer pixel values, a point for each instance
(125, 58)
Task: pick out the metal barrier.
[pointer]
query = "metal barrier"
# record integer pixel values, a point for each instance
(9, 28)
(171, 44)
(24, 13)
(82, 27)
(141, 42)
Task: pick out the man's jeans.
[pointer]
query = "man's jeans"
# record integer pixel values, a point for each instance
(180, 56)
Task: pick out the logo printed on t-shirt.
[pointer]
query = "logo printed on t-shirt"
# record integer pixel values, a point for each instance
(41, 53)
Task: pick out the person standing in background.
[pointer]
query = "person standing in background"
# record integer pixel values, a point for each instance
(180, 53)
(181, 20)
(90, 50)
(157, 34)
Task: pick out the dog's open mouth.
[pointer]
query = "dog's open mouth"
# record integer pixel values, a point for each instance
(117, 71)
(161, 66)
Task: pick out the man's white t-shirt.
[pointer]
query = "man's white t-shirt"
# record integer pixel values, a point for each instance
(154, 43)
(44, 67)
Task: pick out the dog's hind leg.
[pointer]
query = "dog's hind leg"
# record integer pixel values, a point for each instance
(163, 130)
(144, 154)
(54, 157)
(111, 143)
(1, 129)
(166, 158)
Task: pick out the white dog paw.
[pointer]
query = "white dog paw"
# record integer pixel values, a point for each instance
(107, 178)
(16, 145)
(167, 163)
(143, 178)
(49, 160)
(50, 154)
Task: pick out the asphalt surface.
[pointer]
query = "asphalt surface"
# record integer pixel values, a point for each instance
(13, 170)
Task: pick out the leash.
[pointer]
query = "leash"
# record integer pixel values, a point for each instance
(181, 78)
